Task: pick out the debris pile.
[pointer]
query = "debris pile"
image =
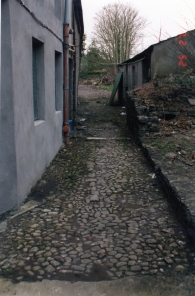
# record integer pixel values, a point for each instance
(107, 80)
(168, 102)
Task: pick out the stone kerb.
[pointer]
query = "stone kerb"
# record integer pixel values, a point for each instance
(143, 121)
(142, 118)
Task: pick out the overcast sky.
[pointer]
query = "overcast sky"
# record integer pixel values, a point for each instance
(175, 16)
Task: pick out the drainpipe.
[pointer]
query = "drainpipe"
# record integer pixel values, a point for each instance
(0, 59)
(67, 19)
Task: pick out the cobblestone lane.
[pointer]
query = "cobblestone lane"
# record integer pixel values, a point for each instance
(103, 218)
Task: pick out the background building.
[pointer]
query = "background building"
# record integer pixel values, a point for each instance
(172, 56)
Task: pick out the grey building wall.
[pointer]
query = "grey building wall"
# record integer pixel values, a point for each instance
(165, 56)
(128, 78)
(74, 60)
(51, 12)
(28, 143)
(139, 80)
(132, 77)
(76, 63)
(122, 87)
(8, 179)
(28, 146)
(164, 59)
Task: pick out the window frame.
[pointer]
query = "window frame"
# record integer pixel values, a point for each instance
(38, 79)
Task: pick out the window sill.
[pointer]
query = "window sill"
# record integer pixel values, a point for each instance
(38, 122)
(58, 112)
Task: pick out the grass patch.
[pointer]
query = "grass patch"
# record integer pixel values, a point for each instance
(184, 145)
(106, 87)
(164, 146)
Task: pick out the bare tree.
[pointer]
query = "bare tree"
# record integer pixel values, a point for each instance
(118, 31)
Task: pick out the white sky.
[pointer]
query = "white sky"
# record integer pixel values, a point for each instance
(175, 16)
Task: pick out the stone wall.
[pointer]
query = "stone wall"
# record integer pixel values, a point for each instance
(146, 119)
(161, 102)
(142, 118)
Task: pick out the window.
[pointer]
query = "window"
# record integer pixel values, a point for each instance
(38, 79)
(58, 82)
(57, 4)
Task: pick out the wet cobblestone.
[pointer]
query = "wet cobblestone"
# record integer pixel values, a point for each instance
(106, 219)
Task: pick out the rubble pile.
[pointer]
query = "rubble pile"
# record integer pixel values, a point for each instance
(107, 79)
(162, 106)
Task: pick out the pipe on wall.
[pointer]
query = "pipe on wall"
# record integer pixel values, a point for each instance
(67, 24)
(66, 83)
(0, 59)
(68, 13)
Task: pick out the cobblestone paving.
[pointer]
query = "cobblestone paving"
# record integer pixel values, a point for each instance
(106, 219)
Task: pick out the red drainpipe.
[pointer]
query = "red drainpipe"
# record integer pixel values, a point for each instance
(66, 83)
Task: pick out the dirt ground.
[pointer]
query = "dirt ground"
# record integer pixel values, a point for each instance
(98, 121)
(90, 91)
